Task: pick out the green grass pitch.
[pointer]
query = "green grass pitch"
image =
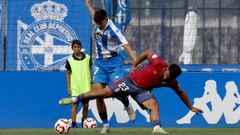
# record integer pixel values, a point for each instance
(125, 131)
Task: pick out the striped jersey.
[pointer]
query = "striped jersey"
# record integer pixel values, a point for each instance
(108, 41)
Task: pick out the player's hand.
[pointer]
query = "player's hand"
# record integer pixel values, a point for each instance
(132, 69)
(196, 110)
(139, 66)
(87, 1)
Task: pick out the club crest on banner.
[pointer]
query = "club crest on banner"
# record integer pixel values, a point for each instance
(45, 43)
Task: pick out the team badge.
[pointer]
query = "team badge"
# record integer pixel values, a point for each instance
(45, 43)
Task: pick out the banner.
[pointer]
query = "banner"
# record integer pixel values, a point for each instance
(121, 14)
(40, 33)
(35, 105)
(108, 6)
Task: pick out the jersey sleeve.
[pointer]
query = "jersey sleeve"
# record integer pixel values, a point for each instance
(155, 59)
(90, 63)
(67, 66)
(121, 38)
(117, 35)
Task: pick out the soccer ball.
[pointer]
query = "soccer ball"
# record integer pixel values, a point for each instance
(89, 123)
(62, 126)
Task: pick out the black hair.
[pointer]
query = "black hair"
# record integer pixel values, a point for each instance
(174, 70)
(100, 15)
(78, 42)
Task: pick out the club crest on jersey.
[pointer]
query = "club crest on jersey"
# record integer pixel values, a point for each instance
(98, 36)
(45, 43)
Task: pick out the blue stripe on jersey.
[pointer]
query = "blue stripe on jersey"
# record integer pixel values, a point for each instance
(105, 40)
(113, 54)
(99, 50)
(98, 47)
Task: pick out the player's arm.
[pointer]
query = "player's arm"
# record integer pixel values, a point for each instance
(90, 8)
(183, 96)
(68, 73)
(130, 52)
(140, 59)
(121, 40)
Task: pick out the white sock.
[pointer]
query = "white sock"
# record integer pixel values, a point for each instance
(104, 125)
(156, 126)
(74, 99)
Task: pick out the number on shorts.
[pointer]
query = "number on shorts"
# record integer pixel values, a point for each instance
(123, 86)
(95, 70)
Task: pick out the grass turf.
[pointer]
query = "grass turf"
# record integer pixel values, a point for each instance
(125, 131)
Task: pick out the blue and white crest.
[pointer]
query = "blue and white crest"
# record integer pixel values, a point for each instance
(45, 43)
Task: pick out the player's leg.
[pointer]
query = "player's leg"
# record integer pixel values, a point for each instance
(85, 106)
(74, 114)
(128, 107)
(117, 74)
(104, 93)
(153, 107)
(100, 79)
(147, 101)
(101, 107)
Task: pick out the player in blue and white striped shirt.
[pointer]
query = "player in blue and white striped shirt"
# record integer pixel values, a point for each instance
(108, 66)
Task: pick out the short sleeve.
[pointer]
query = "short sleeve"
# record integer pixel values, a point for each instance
(122, 40)
(117, 34)
(155, 59)
(67, 66)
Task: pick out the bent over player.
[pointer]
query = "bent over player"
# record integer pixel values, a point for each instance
(139, 85)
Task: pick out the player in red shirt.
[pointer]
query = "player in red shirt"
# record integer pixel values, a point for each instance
(153, 75)
(139, 85)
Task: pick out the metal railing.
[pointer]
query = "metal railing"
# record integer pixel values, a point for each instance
(159, 25)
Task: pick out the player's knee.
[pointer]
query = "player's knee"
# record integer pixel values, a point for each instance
(104, 93)
(152, 105)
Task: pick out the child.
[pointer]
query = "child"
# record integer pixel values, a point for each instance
(78, 78)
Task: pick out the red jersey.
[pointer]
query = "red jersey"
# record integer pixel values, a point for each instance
(151, 76)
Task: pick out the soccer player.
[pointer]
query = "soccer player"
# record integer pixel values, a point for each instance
(78, 78)
(108, 65)
(139, 84)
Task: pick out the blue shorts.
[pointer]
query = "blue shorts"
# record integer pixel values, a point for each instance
(124, 87)
(108, 71)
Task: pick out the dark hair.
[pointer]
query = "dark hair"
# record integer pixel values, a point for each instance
(100, 15)
(76, 42)
(174, 70)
